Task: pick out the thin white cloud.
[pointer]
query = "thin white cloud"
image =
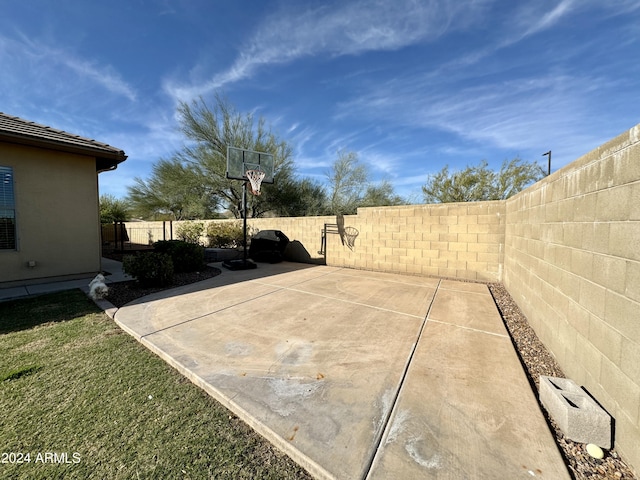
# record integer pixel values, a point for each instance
(535, 17)
(516, 115)
(532, 20)
(52, 70)
(301, 137)
(382, 162)
(348, 28)
(411, 180)
(550, 108)
(104, 76)
(528, 19)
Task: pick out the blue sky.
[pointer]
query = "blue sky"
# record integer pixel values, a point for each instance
(410, 86)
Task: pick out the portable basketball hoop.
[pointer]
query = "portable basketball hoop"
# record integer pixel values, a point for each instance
(255, 177)
(252, 167)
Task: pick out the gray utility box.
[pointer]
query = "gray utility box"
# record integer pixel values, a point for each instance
(579, 417)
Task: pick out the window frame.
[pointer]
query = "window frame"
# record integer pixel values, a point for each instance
(8, 239)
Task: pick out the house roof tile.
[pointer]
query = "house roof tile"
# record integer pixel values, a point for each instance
(24, 132)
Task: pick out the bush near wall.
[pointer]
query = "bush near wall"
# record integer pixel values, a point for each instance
(225, 235)
(150, 269)
(186, 257)
(190, 232)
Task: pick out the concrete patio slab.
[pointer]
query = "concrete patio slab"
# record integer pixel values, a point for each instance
(320, 359)
(379, 292)
(466, 410)
(468, 305)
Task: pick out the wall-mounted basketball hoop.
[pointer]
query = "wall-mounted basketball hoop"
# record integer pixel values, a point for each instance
(347, 235)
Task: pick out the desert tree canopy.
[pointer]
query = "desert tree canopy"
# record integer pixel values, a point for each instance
(478, 182)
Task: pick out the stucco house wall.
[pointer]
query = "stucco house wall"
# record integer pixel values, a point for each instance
(57, 214)
(56, 200)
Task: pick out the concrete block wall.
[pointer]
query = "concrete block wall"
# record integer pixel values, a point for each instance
(461, 240)
(458, 240)
(572, 263)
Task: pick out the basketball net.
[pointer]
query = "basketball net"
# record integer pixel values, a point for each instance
(350, 235)
(255, 177)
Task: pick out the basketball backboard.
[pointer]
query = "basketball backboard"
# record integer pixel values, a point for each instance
(240, 160)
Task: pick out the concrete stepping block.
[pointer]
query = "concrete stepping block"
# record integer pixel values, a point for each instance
(576, 413)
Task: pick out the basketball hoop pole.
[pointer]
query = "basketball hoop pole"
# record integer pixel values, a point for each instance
(244, 263)
(244, 219)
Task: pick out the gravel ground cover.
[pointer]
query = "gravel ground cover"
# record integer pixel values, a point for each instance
(536, 359)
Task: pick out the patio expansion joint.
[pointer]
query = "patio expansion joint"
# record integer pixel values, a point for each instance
(345, 271)
(355, 303)
(327, 274)
(386, 424)
(278, 289)
(294, 289)
(211, 313)
(471, 329)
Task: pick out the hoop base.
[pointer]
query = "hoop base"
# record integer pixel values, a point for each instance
(240, 264)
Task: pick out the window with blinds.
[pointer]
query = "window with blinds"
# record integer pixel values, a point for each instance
(7, 210)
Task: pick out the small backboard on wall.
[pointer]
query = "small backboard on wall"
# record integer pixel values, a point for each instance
(240, 160)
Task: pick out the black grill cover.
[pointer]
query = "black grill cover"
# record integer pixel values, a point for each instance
(268, 246)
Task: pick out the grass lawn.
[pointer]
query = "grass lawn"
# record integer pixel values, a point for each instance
(74, 385)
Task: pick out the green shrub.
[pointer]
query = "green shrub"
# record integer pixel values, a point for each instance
(225, 235)
(190, 232)
(151, 269)
(186, 257)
